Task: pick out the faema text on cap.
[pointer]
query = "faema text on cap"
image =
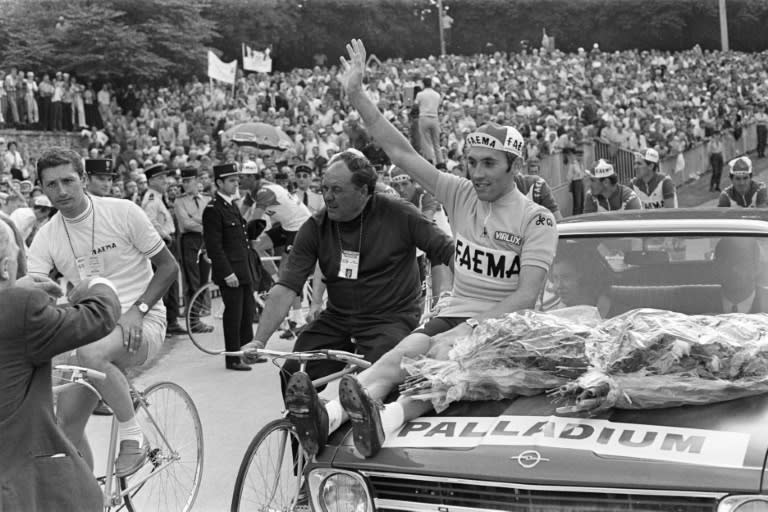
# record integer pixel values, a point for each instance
(496, 136)
(740, 166)
(649, 155)
(397, 175)
(602, 170)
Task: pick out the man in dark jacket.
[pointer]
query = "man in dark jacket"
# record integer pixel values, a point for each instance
(234, 265)
(41, 470)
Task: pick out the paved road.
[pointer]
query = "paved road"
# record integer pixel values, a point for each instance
(233, 406)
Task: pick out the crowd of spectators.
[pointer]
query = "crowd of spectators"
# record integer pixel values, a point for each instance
(632, 99)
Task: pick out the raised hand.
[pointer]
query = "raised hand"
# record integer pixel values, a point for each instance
(353, 69)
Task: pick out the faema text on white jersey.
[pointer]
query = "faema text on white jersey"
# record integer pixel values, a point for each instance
(602, 437)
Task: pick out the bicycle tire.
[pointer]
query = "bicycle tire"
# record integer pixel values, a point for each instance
(206, 310)
(185, 456)
(249, 486)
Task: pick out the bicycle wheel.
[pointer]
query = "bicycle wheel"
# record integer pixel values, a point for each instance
(270, 477)
(170, 479)
(205, 314)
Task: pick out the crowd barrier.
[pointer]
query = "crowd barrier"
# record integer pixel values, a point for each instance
(694, 163)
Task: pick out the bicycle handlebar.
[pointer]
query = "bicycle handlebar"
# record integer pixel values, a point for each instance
(82, 372)
(312, 355)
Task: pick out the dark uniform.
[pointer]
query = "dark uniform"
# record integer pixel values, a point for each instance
(99, 167)
(226, 241)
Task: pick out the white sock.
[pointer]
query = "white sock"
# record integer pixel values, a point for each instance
(130, 430)
(392, 417)
(335, 415)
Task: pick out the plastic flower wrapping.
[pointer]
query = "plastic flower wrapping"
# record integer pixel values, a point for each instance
(642, 359)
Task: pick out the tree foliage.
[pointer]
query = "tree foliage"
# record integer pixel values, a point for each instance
(154, 39)
(138, 39)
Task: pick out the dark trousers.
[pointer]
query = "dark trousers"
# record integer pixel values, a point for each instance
(45, 113)
(57, 116)
(762, 137)
(171, 297)
(372, 339)
(237, 318)
(716, 161)
(194, 268)
(66, 116)
(577, 192)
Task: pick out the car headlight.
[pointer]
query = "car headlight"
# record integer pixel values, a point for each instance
(336, 490)
(745, 503)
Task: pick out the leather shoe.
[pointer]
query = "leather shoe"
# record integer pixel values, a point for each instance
(131, 457)
(306, 413)
(174, 329)
(367, 432)
(202, 328)
(238, 366)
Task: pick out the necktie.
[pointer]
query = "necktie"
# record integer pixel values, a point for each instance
(197, 203)
(304, 200)
(735, 308)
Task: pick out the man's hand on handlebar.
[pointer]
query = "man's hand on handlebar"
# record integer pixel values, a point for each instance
(250, 351)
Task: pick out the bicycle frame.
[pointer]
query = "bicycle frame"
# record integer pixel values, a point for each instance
(111, 498)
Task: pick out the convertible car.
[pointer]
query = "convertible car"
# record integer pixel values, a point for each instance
(519, 455)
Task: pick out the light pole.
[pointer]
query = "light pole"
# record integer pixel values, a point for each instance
(440, 15)
(723, 27)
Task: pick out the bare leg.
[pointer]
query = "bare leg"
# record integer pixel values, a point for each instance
(413, 409)
(381, 377)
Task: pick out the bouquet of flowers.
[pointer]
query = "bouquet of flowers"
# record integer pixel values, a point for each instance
(523, 353)
(656, 359)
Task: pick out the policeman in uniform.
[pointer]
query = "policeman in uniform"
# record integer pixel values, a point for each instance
(161, 219)
(189, 215)
(234, 264)
(312, 200)
(100, 173)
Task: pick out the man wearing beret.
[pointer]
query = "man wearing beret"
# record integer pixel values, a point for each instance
(234, 264)
(189, 215)
(100, 175)
(162, 220)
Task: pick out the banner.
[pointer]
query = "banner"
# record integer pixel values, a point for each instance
(222, 71)
(260, 62)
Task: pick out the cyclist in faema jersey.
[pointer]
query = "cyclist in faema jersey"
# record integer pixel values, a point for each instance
(606, 194)
(505, 245)
(744, 191)
(655, 190)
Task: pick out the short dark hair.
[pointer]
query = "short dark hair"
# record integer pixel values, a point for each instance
(363, 173)
(57, 156)
(427, 82)
(612, 179)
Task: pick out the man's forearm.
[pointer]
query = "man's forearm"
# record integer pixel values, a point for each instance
(517, 301)
(165, 277)
(279, 302)
(442, 280)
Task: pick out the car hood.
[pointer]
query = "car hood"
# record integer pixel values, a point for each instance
(719, 447)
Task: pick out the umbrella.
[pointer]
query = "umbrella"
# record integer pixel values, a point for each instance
(259, 135)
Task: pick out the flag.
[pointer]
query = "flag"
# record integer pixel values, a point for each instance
(261, 62)
(222, 71)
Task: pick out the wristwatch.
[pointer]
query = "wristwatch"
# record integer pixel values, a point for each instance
(471, 322)
(142, 307)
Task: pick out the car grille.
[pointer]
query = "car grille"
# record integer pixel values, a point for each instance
(396, 493)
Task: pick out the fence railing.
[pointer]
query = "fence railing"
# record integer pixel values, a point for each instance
(695, 163)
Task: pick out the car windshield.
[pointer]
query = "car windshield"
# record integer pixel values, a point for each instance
(691, 274)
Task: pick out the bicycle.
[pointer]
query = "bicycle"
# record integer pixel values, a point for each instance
(270, 456)
(206, 308)
(170, 479)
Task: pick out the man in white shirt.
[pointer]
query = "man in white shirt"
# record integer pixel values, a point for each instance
(428, 101)
(110, 238)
